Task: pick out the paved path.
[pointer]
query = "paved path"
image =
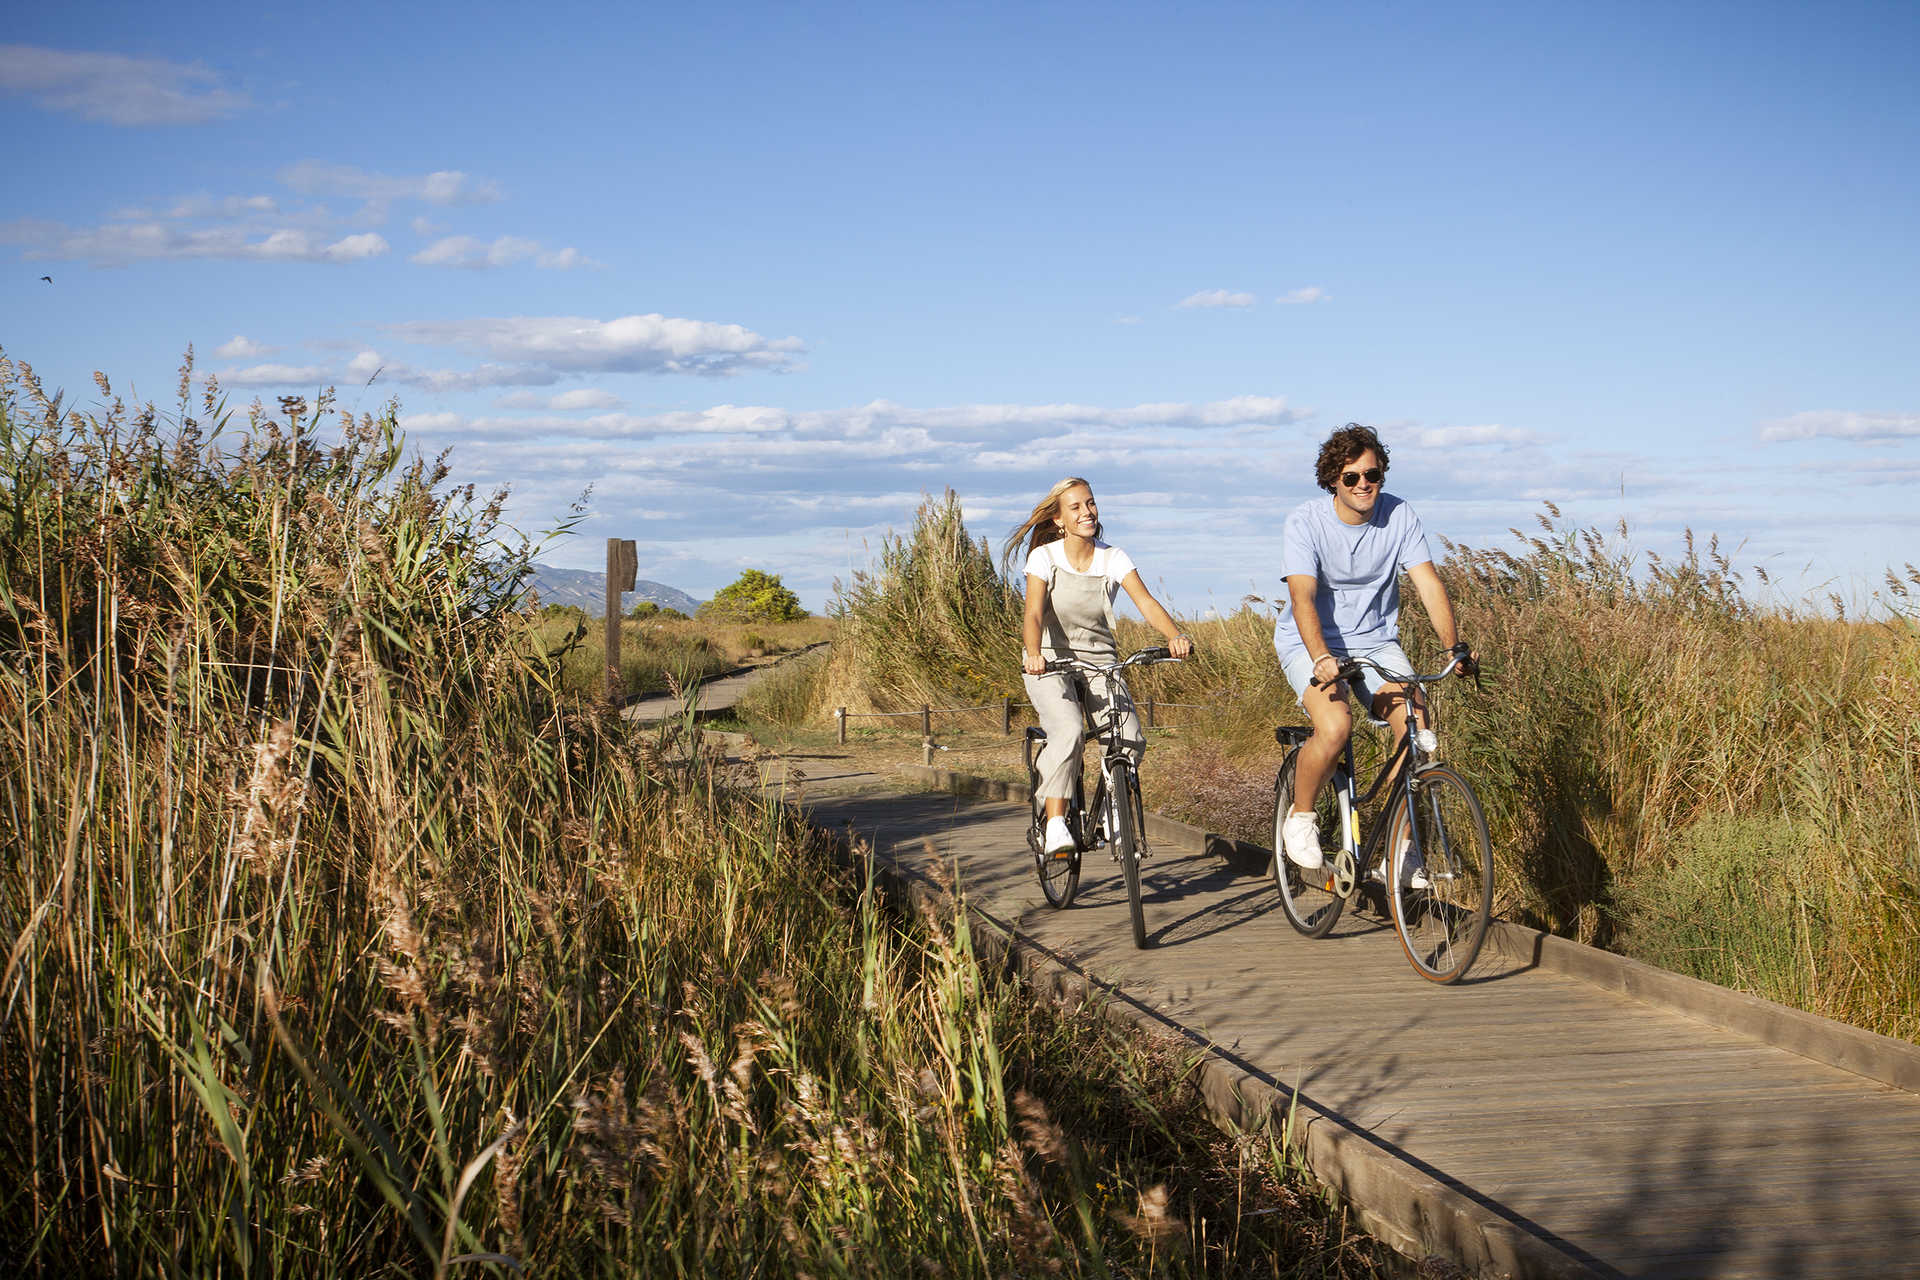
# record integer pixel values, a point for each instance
(715, 695)
(1607, 1136)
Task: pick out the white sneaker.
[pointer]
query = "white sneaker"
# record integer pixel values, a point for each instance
(1301, 834)
(1417, 873)
(1058, 839)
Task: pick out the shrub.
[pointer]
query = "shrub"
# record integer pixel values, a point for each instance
(754, 596)
(933, 620)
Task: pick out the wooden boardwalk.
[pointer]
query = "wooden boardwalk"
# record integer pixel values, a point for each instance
(1524, 1122)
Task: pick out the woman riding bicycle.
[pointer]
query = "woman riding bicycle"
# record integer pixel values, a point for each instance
(1072, 579)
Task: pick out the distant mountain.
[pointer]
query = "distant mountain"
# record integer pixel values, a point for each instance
(587, 589)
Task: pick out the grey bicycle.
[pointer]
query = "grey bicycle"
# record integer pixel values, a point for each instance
(1116, 818)
(1427, 850)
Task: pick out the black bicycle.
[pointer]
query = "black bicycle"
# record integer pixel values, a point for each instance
(1116, 818)
(1438, 881)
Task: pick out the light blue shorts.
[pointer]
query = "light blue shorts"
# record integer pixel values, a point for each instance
(1299, 669)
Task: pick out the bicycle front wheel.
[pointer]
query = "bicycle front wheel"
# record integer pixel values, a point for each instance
(1442, 891)
(1127, 831)
(1308, 897)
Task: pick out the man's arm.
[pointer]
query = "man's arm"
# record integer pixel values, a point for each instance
(1301, 590)
(1433, 594)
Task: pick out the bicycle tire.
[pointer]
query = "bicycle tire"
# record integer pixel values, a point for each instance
(1442, 926)
(1126, 847)
(1307, 898)
(1059, 876)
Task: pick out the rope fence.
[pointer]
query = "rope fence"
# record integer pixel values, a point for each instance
(1150, 707)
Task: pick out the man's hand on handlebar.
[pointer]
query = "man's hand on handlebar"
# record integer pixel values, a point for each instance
(1465, 661)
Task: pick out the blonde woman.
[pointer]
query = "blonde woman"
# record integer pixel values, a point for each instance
(1072, 580)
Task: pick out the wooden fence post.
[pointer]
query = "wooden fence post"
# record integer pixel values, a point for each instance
(1149, 713)
(1006, 716)
(840, 724)
(926, 723)
(623, 563)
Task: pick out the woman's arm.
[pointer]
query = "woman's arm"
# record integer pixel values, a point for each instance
(1031, 660)
(1179, 644)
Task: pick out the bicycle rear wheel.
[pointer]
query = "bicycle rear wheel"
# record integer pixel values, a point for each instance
(1308, 897)
(1127, 830)
(1059, 874)
(1442, 925)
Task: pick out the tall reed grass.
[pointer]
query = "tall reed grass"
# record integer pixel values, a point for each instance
(1717, 785)
(341, 942)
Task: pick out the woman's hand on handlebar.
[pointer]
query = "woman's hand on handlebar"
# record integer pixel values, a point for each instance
(1033, 664)
(1181, 646)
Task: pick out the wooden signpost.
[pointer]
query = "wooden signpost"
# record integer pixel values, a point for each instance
(623, 564)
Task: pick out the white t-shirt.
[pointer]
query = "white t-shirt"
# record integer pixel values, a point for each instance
(1108, 562)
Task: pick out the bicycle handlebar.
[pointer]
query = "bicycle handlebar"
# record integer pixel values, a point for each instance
(1146, 657)
(1352, 667)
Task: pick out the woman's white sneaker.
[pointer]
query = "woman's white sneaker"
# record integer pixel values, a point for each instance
(1300, 833)
(1058, 839)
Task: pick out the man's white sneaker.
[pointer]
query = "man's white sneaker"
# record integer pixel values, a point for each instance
(1058, 839)
(1301, 834)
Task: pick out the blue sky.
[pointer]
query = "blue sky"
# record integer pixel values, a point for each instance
(765, 275)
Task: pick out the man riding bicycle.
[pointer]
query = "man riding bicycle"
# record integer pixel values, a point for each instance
(1342, 556)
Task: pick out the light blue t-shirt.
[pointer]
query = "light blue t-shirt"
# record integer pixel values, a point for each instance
(1358, 567)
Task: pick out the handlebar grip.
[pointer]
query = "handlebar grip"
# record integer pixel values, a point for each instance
(1155, 653)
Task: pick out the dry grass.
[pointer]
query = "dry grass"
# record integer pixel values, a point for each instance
(343, 942)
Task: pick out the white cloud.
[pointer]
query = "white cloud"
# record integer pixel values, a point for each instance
(1216, 298)
(1296, 297)
(443, 187)
(585, 398)
(1492, 433)
(241, 347)
(474, 253)
(364, 366)
(119, 243)
(630, 344)
(112, 88)
(1836, 424)
(275, 375)
(958, 433)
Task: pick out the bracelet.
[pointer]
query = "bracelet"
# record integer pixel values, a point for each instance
(1316, 661)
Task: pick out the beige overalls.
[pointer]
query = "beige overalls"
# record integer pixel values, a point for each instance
(1077, 623)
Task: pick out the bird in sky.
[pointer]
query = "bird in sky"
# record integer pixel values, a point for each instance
(48, 279)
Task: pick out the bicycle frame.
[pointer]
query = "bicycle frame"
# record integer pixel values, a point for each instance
(1398, 778)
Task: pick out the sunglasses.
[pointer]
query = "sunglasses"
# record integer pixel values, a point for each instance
(1372, 475)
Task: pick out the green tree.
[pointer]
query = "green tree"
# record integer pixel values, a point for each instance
(754, 597)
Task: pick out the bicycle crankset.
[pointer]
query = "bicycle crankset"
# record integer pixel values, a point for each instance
(1343, 872)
